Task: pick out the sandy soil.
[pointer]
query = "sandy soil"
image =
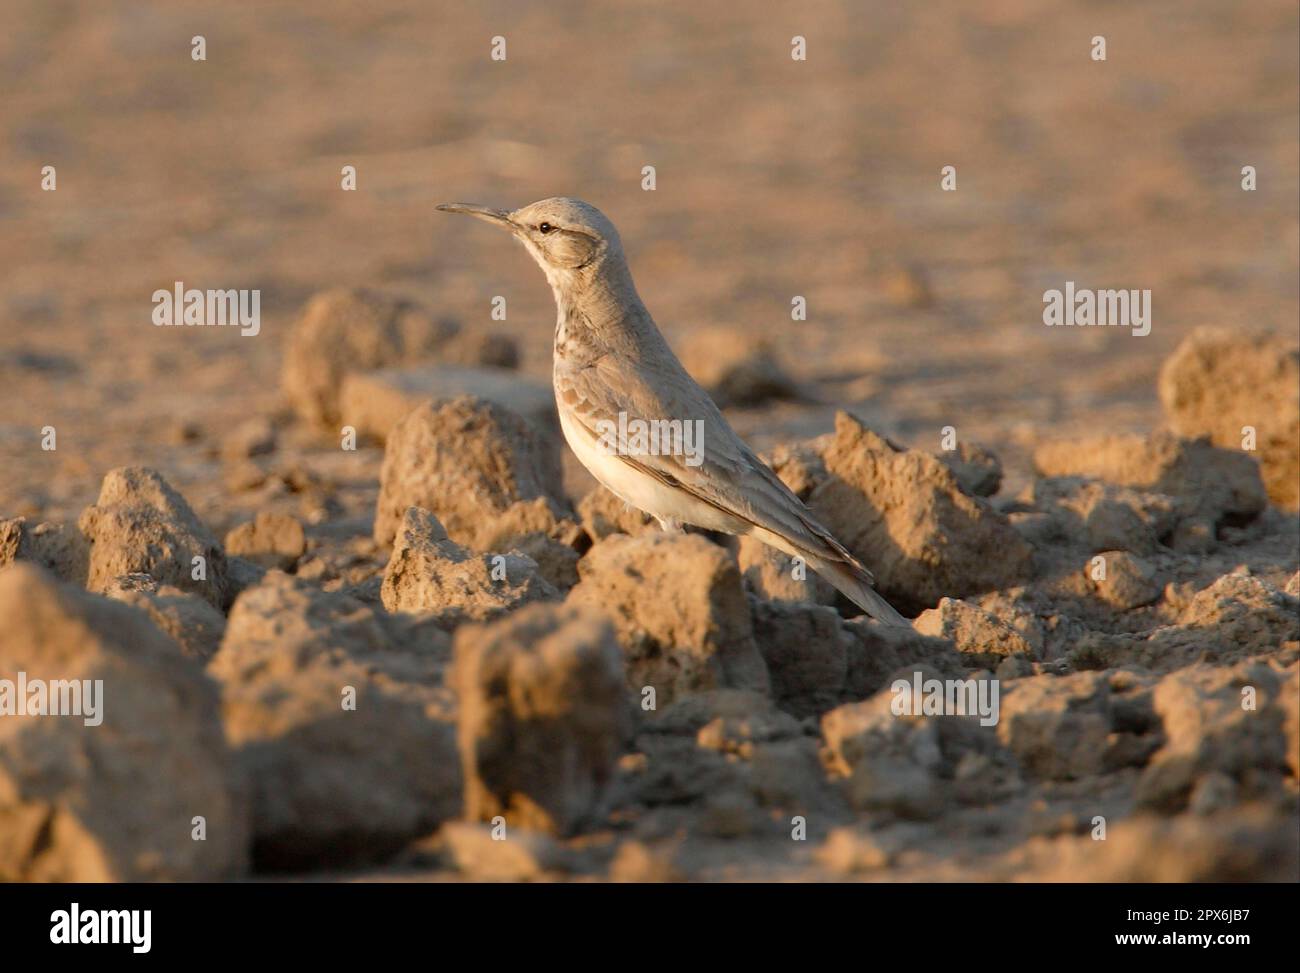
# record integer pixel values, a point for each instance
(775, 178)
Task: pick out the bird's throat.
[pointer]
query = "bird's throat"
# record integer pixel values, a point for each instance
(598, 311)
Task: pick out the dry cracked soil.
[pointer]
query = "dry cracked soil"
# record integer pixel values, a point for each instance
(353, 605)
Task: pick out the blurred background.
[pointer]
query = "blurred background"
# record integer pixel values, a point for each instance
(775, 178)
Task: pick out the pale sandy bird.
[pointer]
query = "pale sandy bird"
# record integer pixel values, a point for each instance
(610, 358)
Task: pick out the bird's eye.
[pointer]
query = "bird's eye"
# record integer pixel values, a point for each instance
(545, 227)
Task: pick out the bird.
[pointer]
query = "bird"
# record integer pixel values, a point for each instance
(611, 363)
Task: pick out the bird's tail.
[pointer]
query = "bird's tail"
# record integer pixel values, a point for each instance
(856, 586)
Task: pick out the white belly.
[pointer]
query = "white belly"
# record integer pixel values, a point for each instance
(641, 490)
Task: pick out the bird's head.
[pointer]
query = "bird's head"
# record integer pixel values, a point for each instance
(567, 237)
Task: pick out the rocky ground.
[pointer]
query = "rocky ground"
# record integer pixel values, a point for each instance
(350, 598)
(464, 674)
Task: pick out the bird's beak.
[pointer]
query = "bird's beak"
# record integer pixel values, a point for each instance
(497, 216)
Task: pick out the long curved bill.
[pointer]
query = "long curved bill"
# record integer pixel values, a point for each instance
(499, 217)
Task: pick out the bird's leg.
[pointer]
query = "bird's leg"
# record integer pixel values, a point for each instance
(670, 526)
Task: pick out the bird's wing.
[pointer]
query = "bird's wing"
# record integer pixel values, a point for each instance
(730, 477)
